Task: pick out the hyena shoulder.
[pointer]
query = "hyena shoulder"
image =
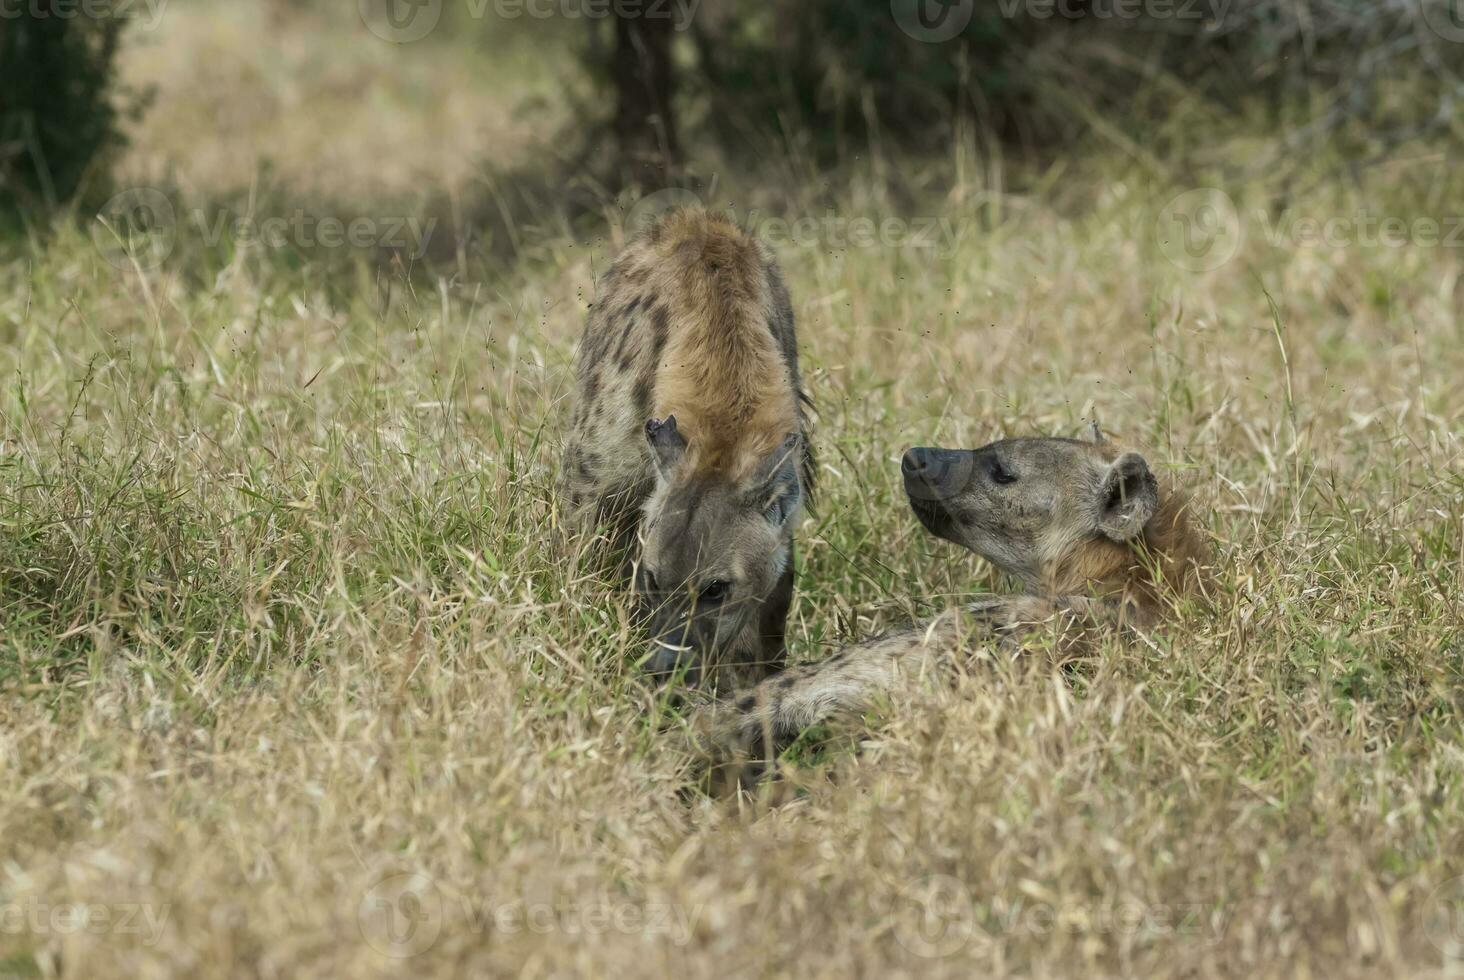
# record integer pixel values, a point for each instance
(693, 320)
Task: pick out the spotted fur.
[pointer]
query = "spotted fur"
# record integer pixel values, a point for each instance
(689, 441)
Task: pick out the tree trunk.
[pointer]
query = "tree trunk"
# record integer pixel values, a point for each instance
(645, 85)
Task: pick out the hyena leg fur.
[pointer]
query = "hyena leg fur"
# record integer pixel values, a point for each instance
(752, 729)
(760, 723)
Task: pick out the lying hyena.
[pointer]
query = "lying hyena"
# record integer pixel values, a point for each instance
(689, 435)
(1097, 540)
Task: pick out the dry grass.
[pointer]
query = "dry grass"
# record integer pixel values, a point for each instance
(286, 613)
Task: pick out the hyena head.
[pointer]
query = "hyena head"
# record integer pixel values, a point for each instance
(1058, 514)
(714, 577)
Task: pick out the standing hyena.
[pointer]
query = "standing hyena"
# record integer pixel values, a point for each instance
(689, 435)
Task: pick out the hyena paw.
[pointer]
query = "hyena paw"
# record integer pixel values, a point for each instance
(1013, 615)
(986, 606)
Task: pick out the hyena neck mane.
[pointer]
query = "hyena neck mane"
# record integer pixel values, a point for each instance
(1142, 577)
(723, 374)
(711, 460)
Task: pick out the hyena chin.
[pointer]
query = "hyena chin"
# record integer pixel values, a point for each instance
(689, 441)
(1099, 542)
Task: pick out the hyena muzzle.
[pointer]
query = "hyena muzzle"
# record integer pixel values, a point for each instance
(689, 443)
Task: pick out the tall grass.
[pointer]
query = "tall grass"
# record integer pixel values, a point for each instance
(299, 671)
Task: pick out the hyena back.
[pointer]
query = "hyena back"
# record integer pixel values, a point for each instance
(689, 442)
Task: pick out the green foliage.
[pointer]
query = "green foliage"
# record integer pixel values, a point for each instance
(834, 70)
(58, 120)
(831, 76)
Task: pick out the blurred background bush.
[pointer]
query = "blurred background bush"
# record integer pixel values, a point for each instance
(58, 107)
(654, 98)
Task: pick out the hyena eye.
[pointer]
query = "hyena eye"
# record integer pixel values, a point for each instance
(715, 592)
(1000, 474)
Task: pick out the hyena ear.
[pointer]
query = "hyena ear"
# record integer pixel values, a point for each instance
(1128, 498)
(776, 490)
(667, 443)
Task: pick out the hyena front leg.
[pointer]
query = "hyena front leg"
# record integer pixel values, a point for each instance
(743, 736)
(762, 722)
(773, 627)
(1069, 619)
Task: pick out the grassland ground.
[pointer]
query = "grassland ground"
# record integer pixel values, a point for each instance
(300, 673)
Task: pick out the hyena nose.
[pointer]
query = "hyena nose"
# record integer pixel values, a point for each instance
(916, 462)
(668, 661)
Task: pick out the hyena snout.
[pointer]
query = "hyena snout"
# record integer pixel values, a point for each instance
(934, 478)
(684, 635)
(669, 658)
